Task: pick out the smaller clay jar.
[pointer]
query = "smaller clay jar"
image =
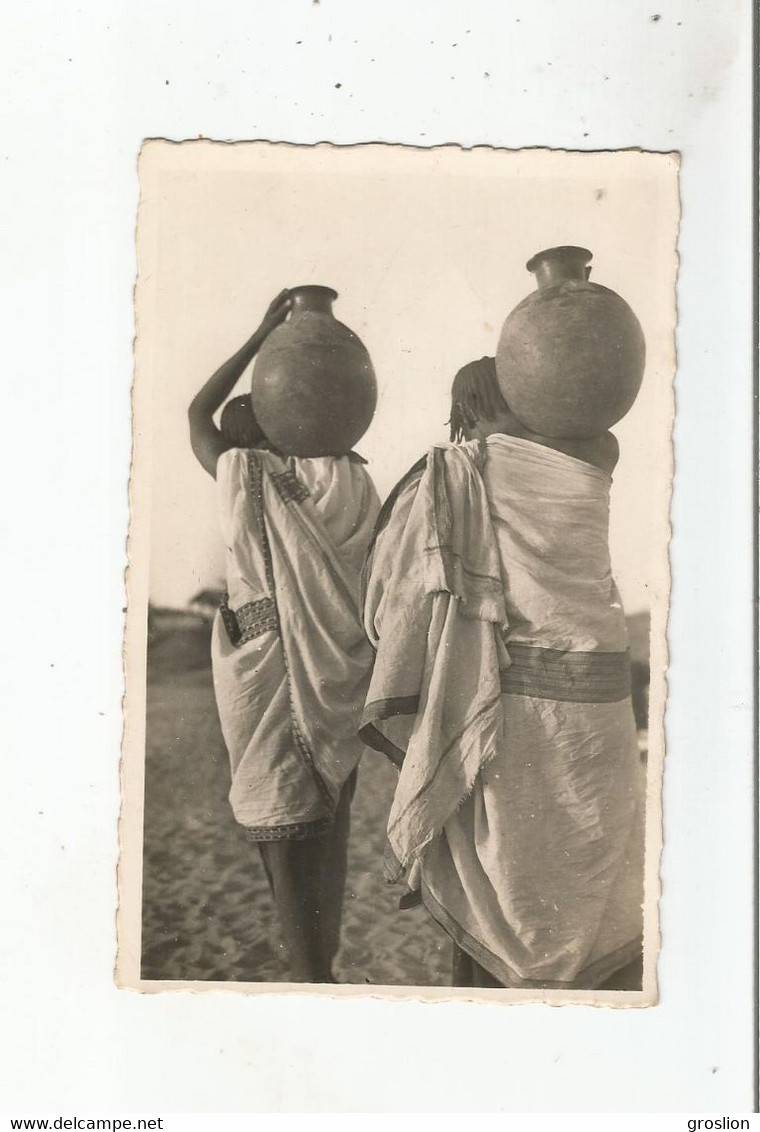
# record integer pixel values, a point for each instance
(570, 358)
(313, 389)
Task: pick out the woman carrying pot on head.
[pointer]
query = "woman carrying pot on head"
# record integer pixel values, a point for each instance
(290, 658)
(501, 690)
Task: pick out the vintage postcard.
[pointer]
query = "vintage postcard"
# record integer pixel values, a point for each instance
(398, 572)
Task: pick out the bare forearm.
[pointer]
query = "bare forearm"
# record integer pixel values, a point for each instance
(221, 383)
(206, 439)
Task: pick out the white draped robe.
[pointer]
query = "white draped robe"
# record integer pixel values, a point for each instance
(501, 690)
(290, 658)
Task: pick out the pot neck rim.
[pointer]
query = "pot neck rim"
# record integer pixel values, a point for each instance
(557, 265)
(313, 297)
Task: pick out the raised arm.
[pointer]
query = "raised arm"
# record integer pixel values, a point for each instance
(207, 441)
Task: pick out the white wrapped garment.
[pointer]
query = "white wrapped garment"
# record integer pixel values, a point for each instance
(501, 688)
(290, 658)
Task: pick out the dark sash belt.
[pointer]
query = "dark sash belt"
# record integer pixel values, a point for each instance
(575, 677)
(250, 620)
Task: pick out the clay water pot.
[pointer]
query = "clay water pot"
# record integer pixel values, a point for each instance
(570, 358)
(313, 389)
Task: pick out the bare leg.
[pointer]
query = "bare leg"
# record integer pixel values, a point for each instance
(461, 968)
(294, 869)
(467, 972)
(334, 864)
(483, 978)
(627, 978)
(308, 880)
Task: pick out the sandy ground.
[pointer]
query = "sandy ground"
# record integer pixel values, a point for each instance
(207, 910)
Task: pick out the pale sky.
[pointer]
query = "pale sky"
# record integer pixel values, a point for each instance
(427, 251)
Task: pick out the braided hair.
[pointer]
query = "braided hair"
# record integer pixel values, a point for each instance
(475, 395)
(459, 421)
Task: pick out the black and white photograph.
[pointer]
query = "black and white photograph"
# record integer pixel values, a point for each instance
(398, 582)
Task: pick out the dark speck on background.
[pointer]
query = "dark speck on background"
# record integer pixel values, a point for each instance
(655, 18)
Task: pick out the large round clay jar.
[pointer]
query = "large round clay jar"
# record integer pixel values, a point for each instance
(313, 389)
(570, 358)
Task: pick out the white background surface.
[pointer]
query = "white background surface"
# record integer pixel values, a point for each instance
(84, 85)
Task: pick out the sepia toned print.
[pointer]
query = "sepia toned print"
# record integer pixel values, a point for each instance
(398, 581)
